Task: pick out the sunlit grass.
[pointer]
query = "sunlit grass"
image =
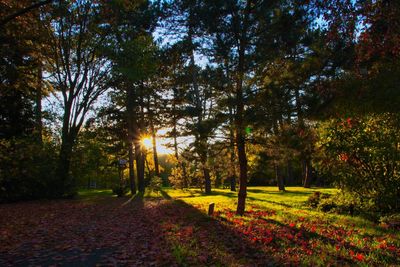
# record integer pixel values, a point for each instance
(339, 239)
(282, 223)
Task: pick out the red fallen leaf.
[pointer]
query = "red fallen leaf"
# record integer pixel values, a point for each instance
(292, 225)
(359, 257)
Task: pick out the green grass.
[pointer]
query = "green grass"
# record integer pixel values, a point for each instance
(284, 226)
(288, 202)
(335, 239)
(93, 195)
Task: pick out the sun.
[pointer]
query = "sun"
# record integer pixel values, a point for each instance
(147, 143)
(162, 143)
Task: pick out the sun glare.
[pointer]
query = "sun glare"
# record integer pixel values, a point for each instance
(147, 142)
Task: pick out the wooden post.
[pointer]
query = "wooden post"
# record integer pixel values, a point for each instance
(211, 208)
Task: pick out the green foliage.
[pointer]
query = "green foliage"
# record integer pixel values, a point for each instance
(314, 200)
(363, 156)
(26, 170)
(155, 184)
(340, 203)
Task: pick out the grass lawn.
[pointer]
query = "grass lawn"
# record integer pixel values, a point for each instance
(283, 226)
(171, 228)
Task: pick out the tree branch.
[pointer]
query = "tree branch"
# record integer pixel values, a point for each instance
(23, 11)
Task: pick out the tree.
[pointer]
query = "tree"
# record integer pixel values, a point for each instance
(182, 23)
(132, 52)
(79, 73)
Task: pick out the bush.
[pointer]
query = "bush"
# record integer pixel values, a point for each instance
(120, 191)
(391, 221)
(314, 200)
(155, 184)
(363, 156)
(339, 203)
(27, 170)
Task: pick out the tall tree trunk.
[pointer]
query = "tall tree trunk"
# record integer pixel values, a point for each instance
(240, 138)
(218, 180)
(199, 108)
(232, 178)
(68, 136)
(207, 180)
(307, 173)
(155, 154)
(38, 105)
(66, 186)
(306, 162)
(131, 121)
(140, 156)
(139, 166)
(239, 118)
(131, 168)
(279, 178)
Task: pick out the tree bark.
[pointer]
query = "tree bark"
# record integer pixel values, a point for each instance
(207, 180)
(38, 106)
(132, 182)
(307, 173)
(240, 141)
(155, 154)
(139, 166)
(232, 177)
(66, 184)
(131, 121)
(239, 123)
(279, 178)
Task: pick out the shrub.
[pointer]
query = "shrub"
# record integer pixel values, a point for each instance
(27, 170)
(363, 156)
(314, 200)
(391, 221)
(340, 203)
(155, 184)
(120, 190)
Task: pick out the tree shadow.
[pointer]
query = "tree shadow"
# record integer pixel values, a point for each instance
(136, 231)
(227, 233)
(270, 201)
(286, 192)
(206, 241)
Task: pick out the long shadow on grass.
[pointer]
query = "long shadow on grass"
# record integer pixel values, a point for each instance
(270, 201)
(198, 239)
(289, 235)
(230, 244)
(199, 193)
(286, 192)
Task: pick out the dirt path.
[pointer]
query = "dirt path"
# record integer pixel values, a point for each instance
(114, 232)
